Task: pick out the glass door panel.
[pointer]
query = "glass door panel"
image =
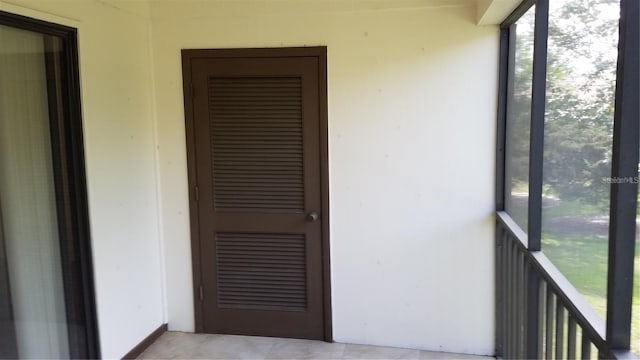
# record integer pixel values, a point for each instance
(45, 271)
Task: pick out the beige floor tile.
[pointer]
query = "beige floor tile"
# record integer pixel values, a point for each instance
(237, 347)
(424, 355)
(178, 345)
(378, 352)
(305, 349)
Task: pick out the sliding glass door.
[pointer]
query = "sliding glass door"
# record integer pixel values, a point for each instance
(46, 302)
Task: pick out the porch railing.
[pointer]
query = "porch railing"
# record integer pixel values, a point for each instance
(539, 313)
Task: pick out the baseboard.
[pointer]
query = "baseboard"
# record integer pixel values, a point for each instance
(146, 342)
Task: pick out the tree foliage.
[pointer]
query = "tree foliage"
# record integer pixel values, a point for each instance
(581, 65)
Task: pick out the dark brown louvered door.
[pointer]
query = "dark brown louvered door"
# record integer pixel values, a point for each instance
(258, 172)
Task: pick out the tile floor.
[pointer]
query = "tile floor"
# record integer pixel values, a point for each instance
(177, 345)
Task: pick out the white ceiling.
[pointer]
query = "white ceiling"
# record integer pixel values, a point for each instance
(494, 11)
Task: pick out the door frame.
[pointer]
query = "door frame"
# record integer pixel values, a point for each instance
(319, 52)
(70, 185)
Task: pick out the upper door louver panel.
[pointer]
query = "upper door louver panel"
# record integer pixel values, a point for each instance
(257, 147)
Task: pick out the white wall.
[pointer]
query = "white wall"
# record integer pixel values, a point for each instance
(412, 98)
(116, 83)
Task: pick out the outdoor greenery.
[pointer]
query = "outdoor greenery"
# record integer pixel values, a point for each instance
(587, 270)
(581, 65)
(581, 71)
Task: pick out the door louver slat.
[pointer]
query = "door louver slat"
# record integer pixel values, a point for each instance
(261, 271)
(257, 151)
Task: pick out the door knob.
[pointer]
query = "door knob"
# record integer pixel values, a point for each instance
(313, 216)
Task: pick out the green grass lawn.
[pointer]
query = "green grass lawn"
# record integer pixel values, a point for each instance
(573, 208)
(583, 260)
(581, 257)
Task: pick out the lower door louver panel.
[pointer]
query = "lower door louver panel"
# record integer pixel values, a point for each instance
(261, 271)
